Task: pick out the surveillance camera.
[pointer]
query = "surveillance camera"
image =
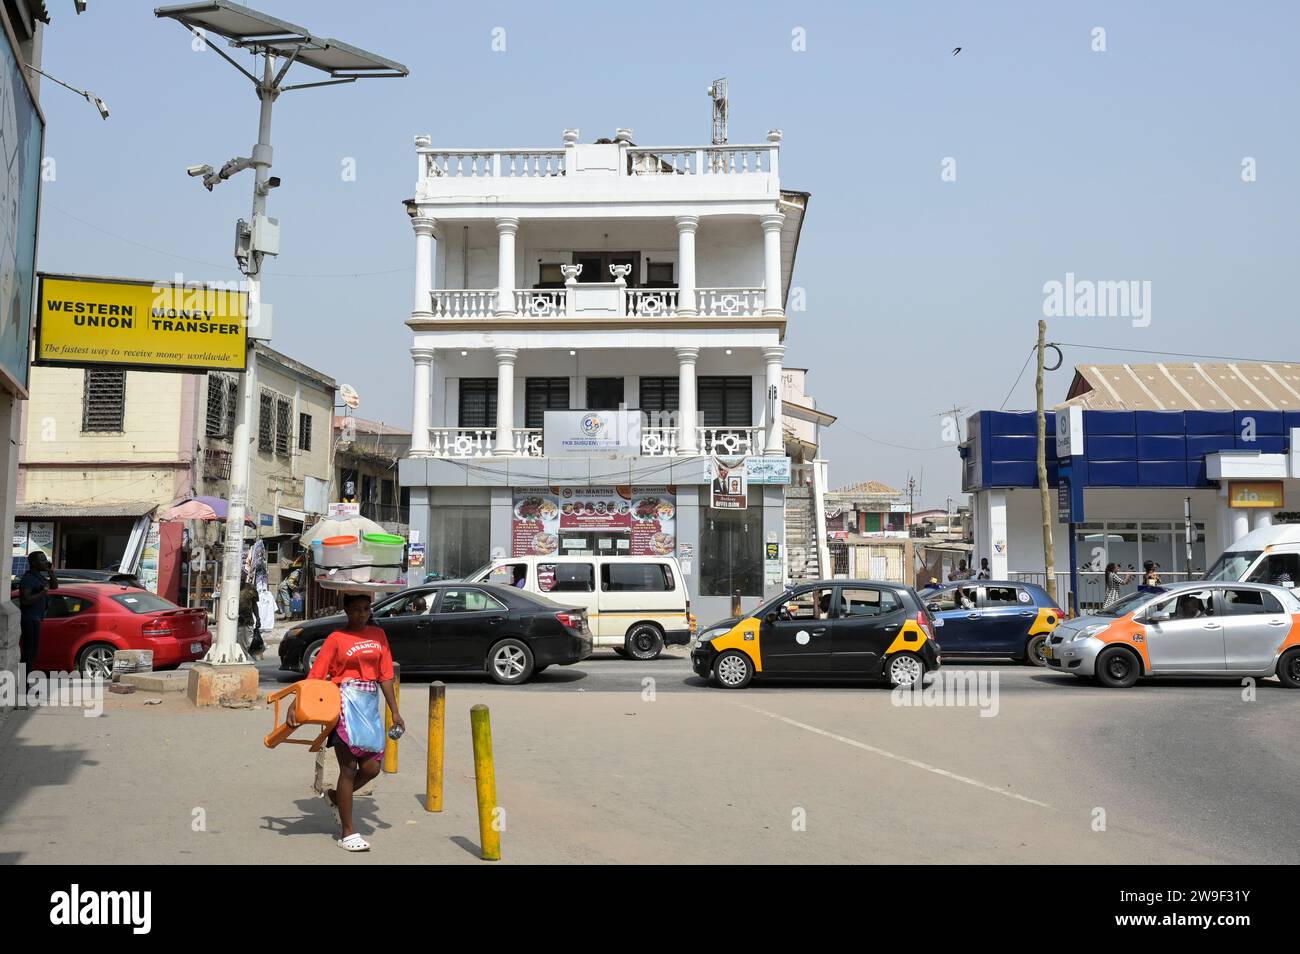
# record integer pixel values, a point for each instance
(101, 106)
(273, 182)
(80, 5)
(199, 170)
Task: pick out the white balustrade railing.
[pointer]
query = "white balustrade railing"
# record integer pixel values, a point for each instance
(463, 302)
(730, 441)
(497, 163)
(481, 441)
(659, 441)
(728, 302)
(652, 302)
(540, 302)
(555, 302)
(760, 159)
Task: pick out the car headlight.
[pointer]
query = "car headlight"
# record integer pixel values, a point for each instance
(1087, 631)
(710, 634)
(296, 631)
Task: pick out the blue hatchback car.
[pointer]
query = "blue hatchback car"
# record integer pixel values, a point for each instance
(1003, 618)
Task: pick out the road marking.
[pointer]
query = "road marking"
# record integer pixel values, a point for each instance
(934, 770)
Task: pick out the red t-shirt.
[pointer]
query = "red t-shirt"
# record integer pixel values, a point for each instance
(352, 656)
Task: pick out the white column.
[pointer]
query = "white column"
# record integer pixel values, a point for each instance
(1261, 518)
(772, 264)
(507, 228)
(686, 226)
(423, 226)
(774, 357)
(1238, 524)
(686, 405)
(423, 401)
(996, 523)
(505, 399)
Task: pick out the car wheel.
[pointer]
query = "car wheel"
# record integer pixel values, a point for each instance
(644, 642)
(1034, 651)
(904, 669)
(309, 657)
(510, 662)
(541, 669)
(96, 660)
(1117, 668)
(733, 669)
(1288, 669)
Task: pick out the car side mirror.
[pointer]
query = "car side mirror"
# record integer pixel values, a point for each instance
(933, 608)
(1160, 617)
(771, 617)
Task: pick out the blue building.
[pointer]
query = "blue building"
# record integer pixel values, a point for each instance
(1139, 447)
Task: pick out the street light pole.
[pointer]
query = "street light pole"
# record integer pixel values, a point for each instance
(226, 648)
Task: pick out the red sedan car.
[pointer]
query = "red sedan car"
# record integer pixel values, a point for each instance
(85, 623)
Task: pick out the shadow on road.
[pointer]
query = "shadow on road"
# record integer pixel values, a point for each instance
(317, 819)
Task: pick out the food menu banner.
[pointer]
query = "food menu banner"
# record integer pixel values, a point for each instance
(647, 516)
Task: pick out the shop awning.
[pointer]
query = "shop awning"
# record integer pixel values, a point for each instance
(288, 514)
(58, 511)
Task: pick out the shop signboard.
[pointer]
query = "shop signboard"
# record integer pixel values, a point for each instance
(638, 521)
(728, 490)
(88, 321)
(767, 470)
(592, 433)
(344, 510)
(1255, 494)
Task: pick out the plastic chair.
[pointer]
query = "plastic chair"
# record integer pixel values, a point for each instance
(315, 702)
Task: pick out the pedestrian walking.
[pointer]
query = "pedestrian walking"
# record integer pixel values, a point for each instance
(289, 589)
(33, 597)
(1113, 579)
(358, 660)
(248, 630)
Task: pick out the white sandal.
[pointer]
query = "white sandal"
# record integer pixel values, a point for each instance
(353, 842)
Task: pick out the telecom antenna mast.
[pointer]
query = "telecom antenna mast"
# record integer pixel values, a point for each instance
(718, 93)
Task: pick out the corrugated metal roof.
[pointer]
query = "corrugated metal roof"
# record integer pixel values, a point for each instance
(1187, 386)
(45, 510)
(866, 487)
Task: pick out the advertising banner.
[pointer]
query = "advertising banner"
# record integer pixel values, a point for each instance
(728, 490)
(767, 470)
(546, 517)
(592, 433)
(22, 130)
(1255, 494)
(85, 321)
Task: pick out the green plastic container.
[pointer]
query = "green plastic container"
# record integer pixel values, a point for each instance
(381, 548)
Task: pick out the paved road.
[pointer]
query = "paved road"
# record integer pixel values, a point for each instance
(592, 766)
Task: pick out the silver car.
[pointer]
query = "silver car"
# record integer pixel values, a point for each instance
(1186, 629)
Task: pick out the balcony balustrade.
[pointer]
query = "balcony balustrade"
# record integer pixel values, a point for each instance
(464, 442)
(596, 299)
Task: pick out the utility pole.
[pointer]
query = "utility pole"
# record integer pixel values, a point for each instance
(1045, 495)
(273, 40)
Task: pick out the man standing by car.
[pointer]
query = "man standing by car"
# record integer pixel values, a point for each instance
(33, 596)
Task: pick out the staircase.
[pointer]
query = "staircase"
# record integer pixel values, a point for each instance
(801, 534)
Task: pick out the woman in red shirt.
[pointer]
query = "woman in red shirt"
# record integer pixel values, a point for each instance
(358, 655)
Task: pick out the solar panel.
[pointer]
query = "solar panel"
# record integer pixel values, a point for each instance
(250, 29)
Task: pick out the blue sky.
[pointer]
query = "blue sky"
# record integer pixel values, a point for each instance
(922, 294)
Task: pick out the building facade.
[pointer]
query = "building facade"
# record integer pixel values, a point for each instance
(602, 285)
(366, 454)
(106, 451)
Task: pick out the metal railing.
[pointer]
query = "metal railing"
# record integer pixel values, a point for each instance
(730, 159)
(1092, 584)
(481, 442)
(576, 299)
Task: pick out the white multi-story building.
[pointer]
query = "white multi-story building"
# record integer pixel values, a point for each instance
(594, 277)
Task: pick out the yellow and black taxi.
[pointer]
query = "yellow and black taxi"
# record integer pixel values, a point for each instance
(827, 629)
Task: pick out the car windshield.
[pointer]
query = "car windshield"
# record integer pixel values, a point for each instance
(1232, 566)
(473, 577)
(1131, 602)
(144, 602)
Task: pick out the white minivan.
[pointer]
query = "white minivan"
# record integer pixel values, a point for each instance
(1267, 555)
(635, 605)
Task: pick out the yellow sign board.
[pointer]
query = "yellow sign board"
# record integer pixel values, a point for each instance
(158, 326)
(1246, 494)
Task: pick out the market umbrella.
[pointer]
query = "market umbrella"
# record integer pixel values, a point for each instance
(200, 508)
(340, 526)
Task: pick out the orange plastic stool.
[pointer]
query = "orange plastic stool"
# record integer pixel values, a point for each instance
(316, 702)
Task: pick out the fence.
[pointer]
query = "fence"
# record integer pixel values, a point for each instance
(1092, 584)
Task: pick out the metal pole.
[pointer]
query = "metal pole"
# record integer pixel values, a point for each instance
(437, 729)
(225, 648)
(1189, 533)
(485, 783)
(1045, 495)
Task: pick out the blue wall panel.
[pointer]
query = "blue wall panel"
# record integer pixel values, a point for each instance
(1208, 422)
(1162, 473)
(1110, 447)
(1162, 447)
(1160, 422)
(1263, 444)
(1199, 446)
(1109, 422)
(1266, 422)
(1112, 473)
(1014, 448)
(1013, 474)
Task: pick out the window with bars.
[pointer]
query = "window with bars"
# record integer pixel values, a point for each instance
(726, 401)
(283, 415)
(266, 421)
(304, 432)
(478, 402)
(216, 422)
(104, 403)
(659, 400)
(542, 395)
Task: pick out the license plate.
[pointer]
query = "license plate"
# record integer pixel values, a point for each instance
(196, 647)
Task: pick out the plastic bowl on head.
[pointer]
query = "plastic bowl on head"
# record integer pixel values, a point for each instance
(383, 548)
(339, 551)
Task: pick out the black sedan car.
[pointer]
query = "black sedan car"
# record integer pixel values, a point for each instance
(461, 627)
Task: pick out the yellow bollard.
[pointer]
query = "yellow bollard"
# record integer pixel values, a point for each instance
(485, 781)
(437, 724)
(390, 745)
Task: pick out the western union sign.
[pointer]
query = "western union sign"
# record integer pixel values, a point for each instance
(160, 326)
